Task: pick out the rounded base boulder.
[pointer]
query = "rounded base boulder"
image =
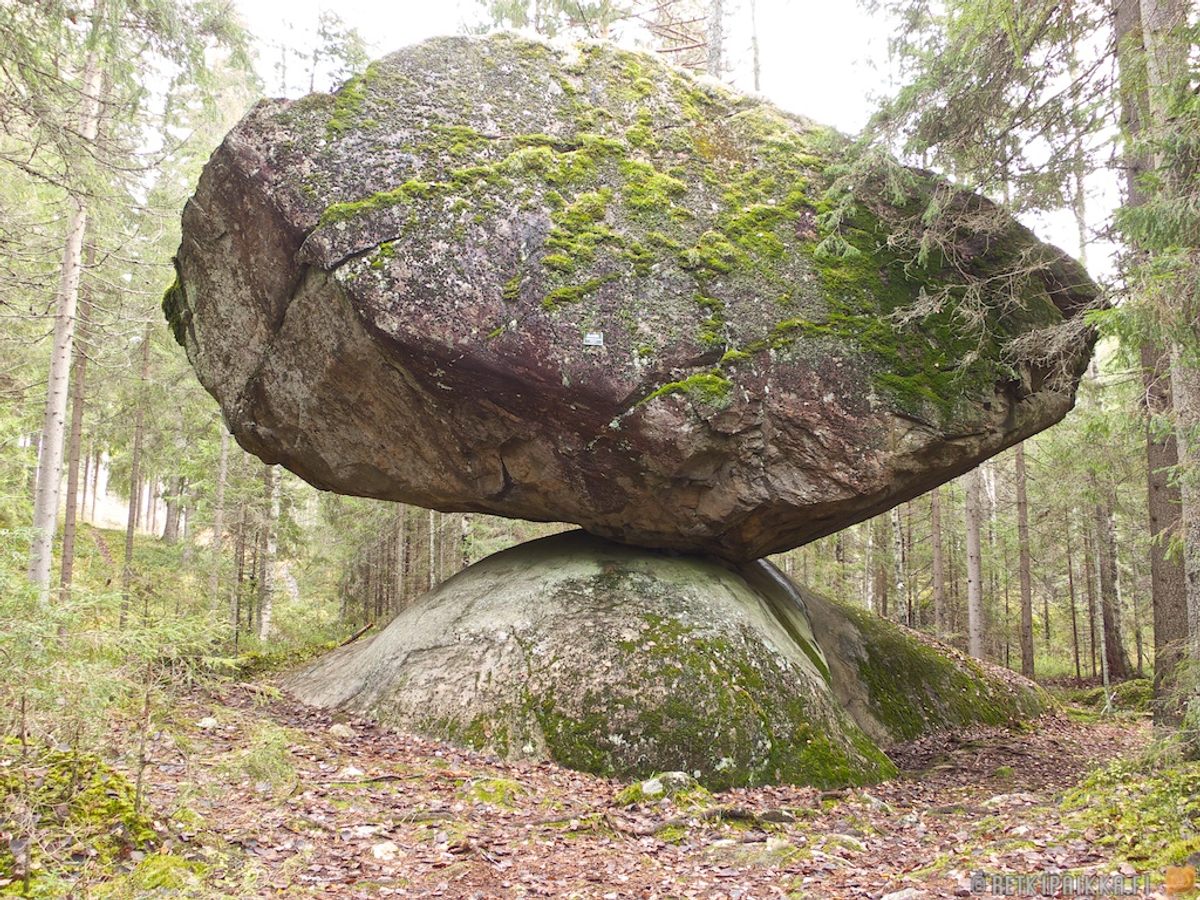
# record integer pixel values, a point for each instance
(620, 661)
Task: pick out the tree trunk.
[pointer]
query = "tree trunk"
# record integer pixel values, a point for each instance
(754, 60)
(466, 541)
(869, 568)
(170, 533)
(135, 464)
(1024, 566)
(54, 419)
(1104, 641)
(1167, 73)
(78, 395)
(716, 39)
(882, 578)
(185, 529)
(1117, 660)
(1089, 566)
(152, 495)
(1071, 598)
(974, 515)
(266, 583)
(898, 565)
(939, 568)
(218, 527)
(83, 483)
(432, 548)
(95, 484)
(235, 599)
(1168, 597)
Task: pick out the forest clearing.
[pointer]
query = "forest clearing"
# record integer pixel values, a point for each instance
(509, 449)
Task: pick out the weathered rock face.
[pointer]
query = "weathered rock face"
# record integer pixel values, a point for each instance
(492, 276)
(621, 661)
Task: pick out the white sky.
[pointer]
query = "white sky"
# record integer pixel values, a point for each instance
(825, 59)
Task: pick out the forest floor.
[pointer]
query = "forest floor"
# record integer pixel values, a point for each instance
(273, 799)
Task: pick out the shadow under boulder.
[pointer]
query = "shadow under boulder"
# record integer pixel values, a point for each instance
(621, 661)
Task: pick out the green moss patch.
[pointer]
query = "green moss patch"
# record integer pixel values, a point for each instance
(79, 807)
(500, 792)
(1147, 812)
(711, 388)
(1134, 695)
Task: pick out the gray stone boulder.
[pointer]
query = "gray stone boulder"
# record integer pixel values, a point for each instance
(621, 661)
(579, 285)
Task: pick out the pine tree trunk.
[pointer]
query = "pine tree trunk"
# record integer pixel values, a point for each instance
(939, 569)
(78, 395)
(401, 559)
(432, 548)
(1103, 632)
(1117, 660)
(185, 528)
(218, 527)
(266, 584)
(898, 564)
(95, 484)
(1089, 566)
(1071, 598)
(910, 594)
(54, 419)
(882, 578)
(83, 483)
(974, 514)
(754, 59)
(408, 575)
(239, 553)
(1185, 392)
(170, 533)
(466, 541)
(135, 465)
(1167, 73)
(715, 65)
(152, 496)
(1024, 566)
(869, 568)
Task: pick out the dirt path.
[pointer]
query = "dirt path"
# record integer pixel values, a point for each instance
(284, 801)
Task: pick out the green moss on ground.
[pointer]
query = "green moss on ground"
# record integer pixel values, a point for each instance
(82, 808)
(1143, 811)
(158, 875)
(500, 792)
(1134, 696)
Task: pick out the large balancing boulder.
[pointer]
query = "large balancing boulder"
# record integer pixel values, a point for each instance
(580, 285)
(621, 661)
